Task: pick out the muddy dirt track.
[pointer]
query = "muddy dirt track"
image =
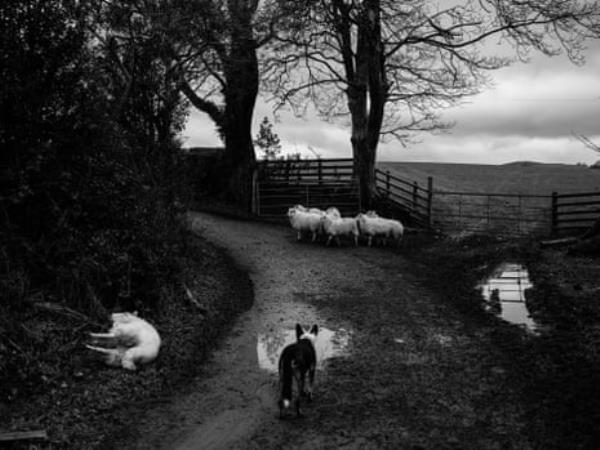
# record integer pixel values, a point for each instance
(407, 370)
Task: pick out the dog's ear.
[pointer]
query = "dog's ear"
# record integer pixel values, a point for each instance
(314, 330)
(299, 331)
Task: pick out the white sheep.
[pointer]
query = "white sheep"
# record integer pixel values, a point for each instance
(302, 220)
(316, 211)
(371, 225)
(335, 226)
(333, 212)
(131, 341)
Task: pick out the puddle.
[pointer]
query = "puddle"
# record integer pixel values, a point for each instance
(329, 344)
(504, 294)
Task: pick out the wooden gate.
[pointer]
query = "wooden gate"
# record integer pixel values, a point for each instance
(318, 183)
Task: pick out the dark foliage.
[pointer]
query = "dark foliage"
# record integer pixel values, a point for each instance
(90, 184)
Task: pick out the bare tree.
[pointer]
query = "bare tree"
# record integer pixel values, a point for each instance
(587, 142)
(210, 47)
(393, 65)
(217, 57)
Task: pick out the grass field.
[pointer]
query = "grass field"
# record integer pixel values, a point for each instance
(454, 212)
(514, 178)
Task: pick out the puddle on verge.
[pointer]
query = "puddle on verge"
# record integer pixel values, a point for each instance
(329, 344)
(504, 294)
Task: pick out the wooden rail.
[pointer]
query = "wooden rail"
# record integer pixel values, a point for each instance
(274, 199)
(416, 201)
(315, 171)
(318, 183)
(330, 182)
(574, 213)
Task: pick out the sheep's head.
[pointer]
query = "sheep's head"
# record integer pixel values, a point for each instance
(123, 317)
(333, 212)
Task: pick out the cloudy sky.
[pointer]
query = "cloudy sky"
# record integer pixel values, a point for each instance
(529, 114)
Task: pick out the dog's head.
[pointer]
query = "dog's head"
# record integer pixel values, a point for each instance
(311, 335)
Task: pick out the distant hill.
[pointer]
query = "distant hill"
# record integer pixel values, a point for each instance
(522, 163)
(519, 177)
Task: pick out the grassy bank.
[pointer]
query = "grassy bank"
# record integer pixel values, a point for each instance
(556, 371)
(84, 404)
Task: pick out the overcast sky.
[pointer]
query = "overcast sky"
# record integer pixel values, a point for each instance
(529, 114)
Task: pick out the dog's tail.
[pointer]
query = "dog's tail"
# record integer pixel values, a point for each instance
(286, 376)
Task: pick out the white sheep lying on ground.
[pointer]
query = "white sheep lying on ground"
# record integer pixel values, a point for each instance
(334, 226)
(371, 225)
(132, 341)
(305, 220)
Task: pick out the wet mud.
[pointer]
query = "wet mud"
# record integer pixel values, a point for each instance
(398, 367)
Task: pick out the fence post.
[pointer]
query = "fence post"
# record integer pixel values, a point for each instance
(554, 229)
(254, 202)
(320, 170)
(460, 210)
(307, 204)
(430, 201)
(415, 198)
(519, 226)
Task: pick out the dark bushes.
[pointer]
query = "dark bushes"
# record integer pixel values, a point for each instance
(91, 184)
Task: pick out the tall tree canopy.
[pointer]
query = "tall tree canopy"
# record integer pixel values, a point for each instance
(210, 48)
(393, 65)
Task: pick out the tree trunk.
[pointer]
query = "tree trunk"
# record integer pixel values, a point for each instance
(367, 116)
(241, 73)
(364, 170)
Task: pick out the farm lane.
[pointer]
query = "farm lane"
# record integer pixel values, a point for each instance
(415, 374)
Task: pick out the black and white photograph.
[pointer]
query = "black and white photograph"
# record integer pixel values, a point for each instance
(300, 224)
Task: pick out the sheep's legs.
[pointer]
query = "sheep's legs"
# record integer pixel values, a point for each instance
(314, 236)
(355, 241)
(337, 239)
(103, 335)
(299, 235)
(328, 240)
(369, 241)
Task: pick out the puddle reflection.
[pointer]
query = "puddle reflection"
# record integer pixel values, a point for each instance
(329, 344)
(504, 294)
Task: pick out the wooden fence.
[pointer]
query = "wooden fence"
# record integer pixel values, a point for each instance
(307, 171)
(318, 183)
(414, 200)
(573, 214)
(330, 182)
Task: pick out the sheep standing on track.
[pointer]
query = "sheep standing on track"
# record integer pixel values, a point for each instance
(303, 220)
(335, 226)
(333, 212)
(371, 225)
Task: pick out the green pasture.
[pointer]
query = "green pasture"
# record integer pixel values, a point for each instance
(514, 178)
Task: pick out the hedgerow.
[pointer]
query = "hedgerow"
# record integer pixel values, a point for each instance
(91, 185)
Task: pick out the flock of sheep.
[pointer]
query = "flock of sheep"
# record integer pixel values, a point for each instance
(330, 223)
